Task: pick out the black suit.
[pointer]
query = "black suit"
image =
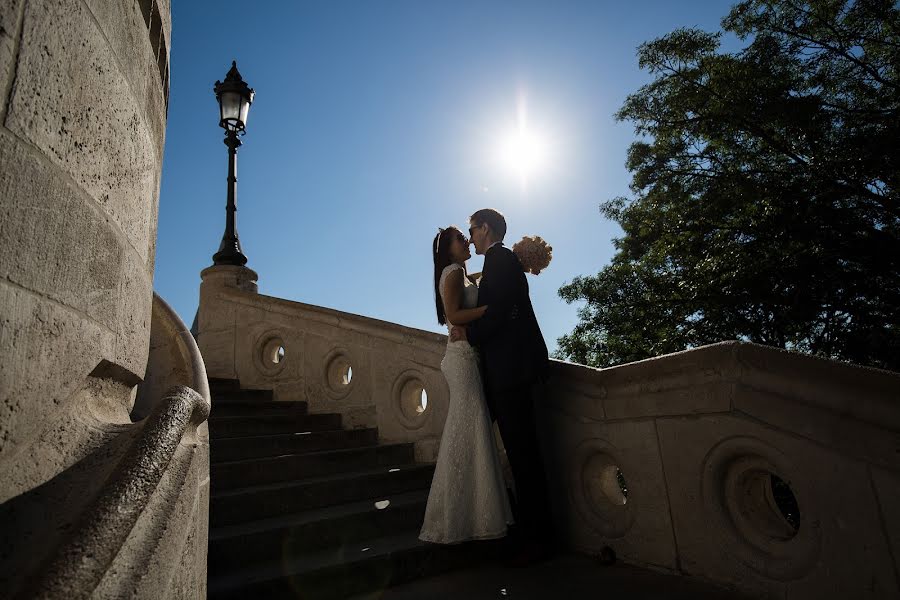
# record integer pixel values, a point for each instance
(514, 358)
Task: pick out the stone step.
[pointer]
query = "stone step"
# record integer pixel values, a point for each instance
(240, 426)
(257, 471)
(239, 546)
(257, 408)
(237, 448)
(242, 396)
(369, 566)
(263, 501)
(218, 384)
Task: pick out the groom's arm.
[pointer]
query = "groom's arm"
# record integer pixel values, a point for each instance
(500, 297)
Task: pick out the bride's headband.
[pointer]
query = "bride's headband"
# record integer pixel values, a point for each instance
(437, 244)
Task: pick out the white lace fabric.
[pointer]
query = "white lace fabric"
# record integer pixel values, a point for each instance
(468, 499)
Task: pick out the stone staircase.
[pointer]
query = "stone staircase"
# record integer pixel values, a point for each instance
(302, 508)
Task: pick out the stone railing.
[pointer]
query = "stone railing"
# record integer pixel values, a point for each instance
(374, 373)
(98, 506)
(773, 473)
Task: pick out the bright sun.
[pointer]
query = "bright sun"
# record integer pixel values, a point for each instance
(522, 152)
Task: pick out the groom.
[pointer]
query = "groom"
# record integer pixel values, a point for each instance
(514, 359)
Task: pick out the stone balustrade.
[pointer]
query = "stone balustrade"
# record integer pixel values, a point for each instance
(773, 473)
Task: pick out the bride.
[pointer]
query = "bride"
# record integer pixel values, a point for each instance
(468, 499)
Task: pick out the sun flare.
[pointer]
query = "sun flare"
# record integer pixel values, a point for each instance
(522, 152)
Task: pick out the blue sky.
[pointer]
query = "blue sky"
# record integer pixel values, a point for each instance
(377, 122)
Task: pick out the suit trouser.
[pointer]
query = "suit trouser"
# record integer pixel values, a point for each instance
(514, 411)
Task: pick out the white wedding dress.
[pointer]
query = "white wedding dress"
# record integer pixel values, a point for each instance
(468, 498)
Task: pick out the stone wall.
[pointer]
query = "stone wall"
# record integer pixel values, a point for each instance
(668, 461)
(83, 113)
(83, 98)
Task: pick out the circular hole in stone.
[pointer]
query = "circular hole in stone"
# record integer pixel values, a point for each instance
(413, 399)
(608, 485)
(274, 351)
(785, 501)
(339, 373)
(766, 502)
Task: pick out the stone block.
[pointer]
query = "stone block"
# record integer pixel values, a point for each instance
(154, 105)
(728, 527)
(74, 104)
(580, 457)
(48, 352)
(135, 310)
(124, 28)
(692, 399)
(843, 433)
(582, 401)
(55, 241)
(887, 487)
(10, 13)
(217, 348)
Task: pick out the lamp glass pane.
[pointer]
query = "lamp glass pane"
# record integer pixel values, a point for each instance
(245, 110)
(231, 106)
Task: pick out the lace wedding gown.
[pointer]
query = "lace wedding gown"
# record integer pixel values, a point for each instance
(468, 498)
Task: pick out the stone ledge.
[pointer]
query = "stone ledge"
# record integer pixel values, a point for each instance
(649, 387)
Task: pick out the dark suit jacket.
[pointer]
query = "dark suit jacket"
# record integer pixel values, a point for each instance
(512, 348)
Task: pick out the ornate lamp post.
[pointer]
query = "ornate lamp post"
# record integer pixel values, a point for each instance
(234, 97)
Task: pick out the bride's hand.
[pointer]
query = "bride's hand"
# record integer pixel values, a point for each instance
(457, 334)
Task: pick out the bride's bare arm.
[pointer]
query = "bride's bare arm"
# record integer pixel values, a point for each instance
(453, 293)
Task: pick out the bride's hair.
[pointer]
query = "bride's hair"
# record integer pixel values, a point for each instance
(440, 251)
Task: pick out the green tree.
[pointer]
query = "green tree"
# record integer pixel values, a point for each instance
(765, 192)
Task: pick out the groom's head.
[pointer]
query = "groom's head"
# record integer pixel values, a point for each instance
(486, 226)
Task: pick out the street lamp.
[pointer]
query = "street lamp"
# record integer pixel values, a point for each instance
(235, 97)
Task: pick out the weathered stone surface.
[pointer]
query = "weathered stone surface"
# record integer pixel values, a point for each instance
(135, 302)
(840, 432)
(689, 399)
(124, 29)
(172, 527)
(55, 242)
(887, 488)
(632, 446)
(840, 549)
(9, 31)
(37, 336)
(71, 101)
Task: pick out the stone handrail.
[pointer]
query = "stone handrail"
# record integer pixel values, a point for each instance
(79, 565)
(148, 518)
(174, 360)
(770, 472)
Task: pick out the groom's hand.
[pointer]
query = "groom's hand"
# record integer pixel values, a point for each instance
(457, 334)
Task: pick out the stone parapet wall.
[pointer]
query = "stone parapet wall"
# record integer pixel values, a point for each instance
(697, 437)
(370, 371)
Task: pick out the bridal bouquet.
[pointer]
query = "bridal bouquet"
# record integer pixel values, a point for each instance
(534, 253)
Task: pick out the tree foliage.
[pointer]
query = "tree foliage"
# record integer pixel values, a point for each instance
(765, 192)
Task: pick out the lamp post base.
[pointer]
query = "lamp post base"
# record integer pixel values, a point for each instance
(230, 253)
